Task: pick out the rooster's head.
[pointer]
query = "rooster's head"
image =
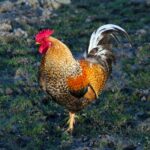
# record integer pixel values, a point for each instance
(42, 39)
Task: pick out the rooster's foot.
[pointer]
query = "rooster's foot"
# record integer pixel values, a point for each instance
(71, 122)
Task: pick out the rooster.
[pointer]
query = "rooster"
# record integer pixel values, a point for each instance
(73, 83)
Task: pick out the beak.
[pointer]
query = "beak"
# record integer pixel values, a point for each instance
(37, 43)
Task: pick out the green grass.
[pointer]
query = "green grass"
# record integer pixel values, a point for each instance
(27, 123)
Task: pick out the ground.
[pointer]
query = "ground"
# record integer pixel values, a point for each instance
(118, 120)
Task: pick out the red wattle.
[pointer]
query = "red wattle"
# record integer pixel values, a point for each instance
(44, 47)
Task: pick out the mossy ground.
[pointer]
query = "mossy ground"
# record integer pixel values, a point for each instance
(119, 119)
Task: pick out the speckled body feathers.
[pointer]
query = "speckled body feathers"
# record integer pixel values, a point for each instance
(60, 73)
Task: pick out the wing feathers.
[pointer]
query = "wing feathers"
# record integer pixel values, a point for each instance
(89, 83)
(79, 93)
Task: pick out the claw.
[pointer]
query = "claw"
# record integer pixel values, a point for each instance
(69, 130)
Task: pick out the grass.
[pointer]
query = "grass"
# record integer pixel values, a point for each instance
(122, 112)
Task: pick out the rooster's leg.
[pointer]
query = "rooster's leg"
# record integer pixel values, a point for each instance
(71, 121)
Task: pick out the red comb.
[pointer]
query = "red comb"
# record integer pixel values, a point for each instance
(43, 34)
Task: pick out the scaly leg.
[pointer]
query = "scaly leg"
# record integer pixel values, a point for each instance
(71, 121)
